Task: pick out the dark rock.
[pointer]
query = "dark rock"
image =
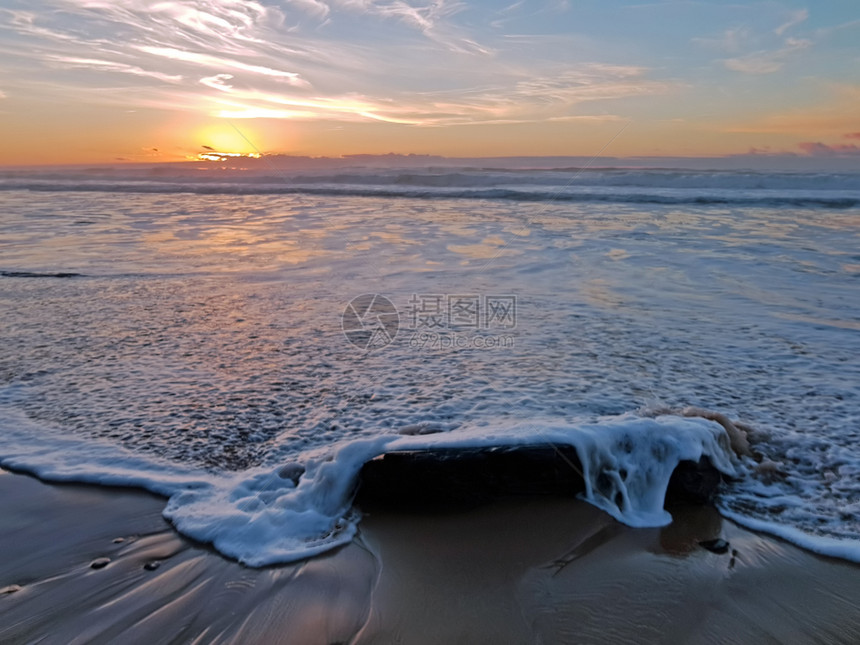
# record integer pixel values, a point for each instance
(10, 589)
(100, 563)
(118, 540)
(718, 546)
(151, 566)
(694, 483)
(449, 477)
(467, 477)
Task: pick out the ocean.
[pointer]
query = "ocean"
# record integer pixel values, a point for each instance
(243, 341)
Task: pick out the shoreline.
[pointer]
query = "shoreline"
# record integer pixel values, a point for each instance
(520, 570)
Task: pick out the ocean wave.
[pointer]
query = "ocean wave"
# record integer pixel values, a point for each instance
(267, 516)
(38, 274)
(443, 177)
(567, 194)
(304, 506)
(298, 510)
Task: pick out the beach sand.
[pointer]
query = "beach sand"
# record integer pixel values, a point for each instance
(538, 570)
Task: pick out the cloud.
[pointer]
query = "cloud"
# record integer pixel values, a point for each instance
(432, 20)
(518, 100)
(315, 8)
(111, 66)
(851, 135)
(587, 83)
(218, 62)
(795, 18)
(244, 59)
(218, 82)
(731, 41)
(754, 51)
(818, 149)
(826, 32)
(551, 97)
(424, 18)
(226, 25)
(767, 62)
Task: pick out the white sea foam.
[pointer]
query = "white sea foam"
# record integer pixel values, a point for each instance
(260, 517)
(845, 549)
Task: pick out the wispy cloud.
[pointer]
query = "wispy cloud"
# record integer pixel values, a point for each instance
(767, 62)
(516, 100)
(731, 41)
(826, 32)
(755, 51)
(111, 66)
(550, 98)
(423, 17)
(245, 59)
(315, 8)
(796, 17)
(225, 25)
(218, 82)
(218, 62)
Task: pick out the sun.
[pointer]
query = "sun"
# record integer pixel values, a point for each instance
(223, 140)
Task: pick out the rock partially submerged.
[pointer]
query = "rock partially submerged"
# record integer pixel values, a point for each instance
(446, 477)
(467, 477)
(694, 483)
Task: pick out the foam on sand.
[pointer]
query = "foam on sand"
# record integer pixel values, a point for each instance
(267, 516)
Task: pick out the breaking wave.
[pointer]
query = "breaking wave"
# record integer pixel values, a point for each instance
(816, 190)
(302, 508)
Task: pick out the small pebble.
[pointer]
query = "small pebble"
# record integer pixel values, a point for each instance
(100, 563)
(118, 540)
(10, 589)
(718, 546)
(151, 566)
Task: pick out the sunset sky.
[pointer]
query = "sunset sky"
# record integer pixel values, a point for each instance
(137, 80)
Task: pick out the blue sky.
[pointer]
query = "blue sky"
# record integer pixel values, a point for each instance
(93, 80)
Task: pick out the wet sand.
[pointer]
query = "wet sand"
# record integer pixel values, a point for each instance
(519, 571)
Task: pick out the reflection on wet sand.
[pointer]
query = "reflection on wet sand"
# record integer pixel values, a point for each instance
(523, 570)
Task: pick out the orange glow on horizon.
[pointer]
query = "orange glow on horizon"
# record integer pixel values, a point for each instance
(223, 139)
(214, 155)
